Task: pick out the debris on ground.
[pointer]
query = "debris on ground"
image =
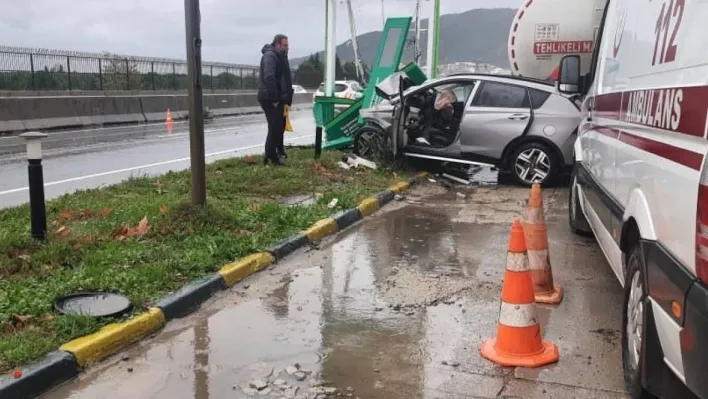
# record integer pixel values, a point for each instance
(355, 161)
(332, 204)
(455, 179)
(399, 197)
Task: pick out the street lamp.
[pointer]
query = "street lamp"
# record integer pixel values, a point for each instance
(38, 213)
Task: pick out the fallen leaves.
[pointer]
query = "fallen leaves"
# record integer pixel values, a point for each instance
(250, 160)
(82, 214)
(164, 209)
(121, 232)
(62, 231)
(256, 207)
(19, 322)
(240, 233)
(323, 171)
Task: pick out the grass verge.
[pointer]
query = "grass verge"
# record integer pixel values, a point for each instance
(142, 239)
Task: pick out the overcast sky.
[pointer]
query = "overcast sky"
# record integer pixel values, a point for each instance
(232, 30)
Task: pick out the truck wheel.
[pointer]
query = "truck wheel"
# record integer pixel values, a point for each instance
(372, 142)
(533, 163)
(578, 223)
(634, 317)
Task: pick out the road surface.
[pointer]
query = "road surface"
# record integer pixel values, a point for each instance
(90, 158)
(395, 307)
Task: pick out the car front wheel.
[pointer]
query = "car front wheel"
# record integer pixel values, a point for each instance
(533, 163)
(372, 142)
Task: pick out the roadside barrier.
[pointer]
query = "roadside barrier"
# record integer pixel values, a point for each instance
(24, 113)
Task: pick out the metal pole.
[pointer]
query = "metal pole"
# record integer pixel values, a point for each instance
(418, 20)
(436, 46)
(196, 111)
(331, 46)
(100, 75)
(127, 74)
(68, 71)
(174, 77)
(431, 61)
(211, 77)
(32, 69)
(152, 74)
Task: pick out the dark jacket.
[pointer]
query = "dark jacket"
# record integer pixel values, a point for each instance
(275, 82)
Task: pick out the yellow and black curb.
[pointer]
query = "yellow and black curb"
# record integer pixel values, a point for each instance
(66, 363)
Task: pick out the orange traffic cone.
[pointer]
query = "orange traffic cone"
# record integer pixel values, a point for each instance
(168, 120)
(518, 342)
(545, 290)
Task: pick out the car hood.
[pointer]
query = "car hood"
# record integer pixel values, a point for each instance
(389, 87)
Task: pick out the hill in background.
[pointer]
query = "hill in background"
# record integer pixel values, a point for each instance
(479, 35)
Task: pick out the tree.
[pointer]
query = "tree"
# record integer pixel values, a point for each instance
(120, 73)
(310, 73)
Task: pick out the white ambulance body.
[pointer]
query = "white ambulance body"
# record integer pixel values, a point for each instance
(640, 183)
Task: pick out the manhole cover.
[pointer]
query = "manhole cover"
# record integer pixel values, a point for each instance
(97, 304)
(298, 200)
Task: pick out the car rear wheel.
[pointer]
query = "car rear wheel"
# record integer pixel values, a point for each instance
(372, 142)
(533, 163)
(634, 317)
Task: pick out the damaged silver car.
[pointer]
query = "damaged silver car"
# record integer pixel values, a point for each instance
(521, 126)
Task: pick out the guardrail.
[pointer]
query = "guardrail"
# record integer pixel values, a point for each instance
(58, 70)
(52, 112)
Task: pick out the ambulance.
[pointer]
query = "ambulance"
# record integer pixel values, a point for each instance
(640, 183)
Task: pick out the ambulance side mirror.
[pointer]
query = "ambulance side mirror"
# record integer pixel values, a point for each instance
(569, 74)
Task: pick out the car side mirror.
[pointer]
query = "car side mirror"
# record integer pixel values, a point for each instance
(569, 74)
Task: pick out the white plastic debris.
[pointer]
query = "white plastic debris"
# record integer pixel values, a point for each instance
(332, 203)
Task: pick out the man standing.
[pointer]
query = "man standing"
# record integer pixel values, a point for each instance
(275, 90)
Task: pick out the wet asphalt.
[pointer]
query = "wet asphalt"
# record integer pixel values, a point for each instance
(89, 158)
(394, 307)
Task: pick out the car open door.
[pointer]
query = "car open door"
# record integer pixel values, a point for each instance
(498, 113)
(399, 115)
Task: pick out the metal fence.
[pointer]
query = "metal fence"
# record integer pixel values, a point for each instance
(57, 70)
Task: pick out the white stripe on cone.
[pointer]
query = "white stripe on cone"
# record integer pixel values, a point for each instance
(513, 315)
(535, 216)
(538, 259)
(517, 262)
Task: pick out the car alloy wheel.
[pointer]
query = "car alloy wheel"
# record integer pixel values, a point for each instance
(370, 142)
(532, 165)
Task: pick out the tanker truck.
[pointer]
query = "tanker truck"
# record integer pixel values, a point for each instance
(544, 31)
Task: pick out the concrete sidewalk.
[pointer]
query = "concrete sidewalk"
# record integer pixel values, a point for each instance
(396, 307)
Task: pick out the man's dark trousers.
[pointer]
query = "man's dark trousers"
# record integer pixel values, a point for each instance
(276, 128)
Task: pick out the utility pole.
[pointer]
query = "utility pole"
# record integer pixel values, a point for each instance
(418, 19)
(383, 15)
(331, 47)
(355, 42)
(433, 38)
(196, 114)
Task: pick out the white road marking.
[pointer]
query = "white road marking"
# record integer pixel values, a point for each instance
(148, 166)
(705, 131)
